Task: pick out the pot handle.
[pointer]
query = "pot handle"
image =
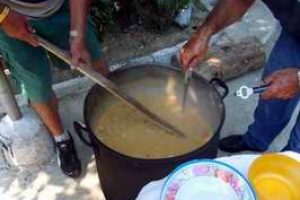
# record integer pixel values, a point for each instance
(222, 84)
(79, 128)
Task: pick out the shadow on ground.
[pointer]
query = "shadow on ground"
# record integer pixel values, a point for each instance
(47, 182)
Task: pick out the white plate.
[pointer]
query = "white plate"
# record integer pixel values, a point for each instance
(205, 180)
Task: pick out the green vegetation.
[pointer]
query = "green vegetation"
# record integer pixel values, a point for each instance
(154, 14)
(102, 13)
(172, 5)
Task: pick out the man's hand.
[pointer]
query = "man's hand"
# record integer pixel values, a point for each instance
(79, 51)
(284, 84)
(194, 51)
(225, 13)
(79, 11)
(17, 26)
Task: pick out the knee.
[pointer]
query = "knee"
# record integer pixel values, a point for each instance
(101, 66)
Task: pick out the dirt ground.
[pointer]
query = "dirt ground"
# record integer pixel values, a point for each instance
(119, 46)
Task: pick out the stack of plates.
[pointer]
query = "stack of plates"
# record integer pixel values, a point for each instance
(207, 180)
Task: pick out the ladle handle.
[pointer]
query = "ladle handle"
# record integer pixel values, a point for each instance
(260, 89)
(79, 128)
(223, 85)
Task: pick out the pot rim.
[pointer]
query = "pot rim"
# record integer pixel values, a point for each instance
(96, 142)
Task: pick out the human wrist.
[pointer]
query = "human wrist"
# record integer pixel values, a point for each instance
(298, 76)
(76, 34)
(208, 28)
(205, 31)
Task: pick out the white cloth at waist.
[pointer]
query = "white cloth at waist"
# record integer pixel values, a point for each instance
(34, 10)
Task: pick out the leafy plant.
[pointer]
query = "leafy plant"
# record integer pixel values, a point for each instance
(102, 12)
(172, 5)
(160, 13)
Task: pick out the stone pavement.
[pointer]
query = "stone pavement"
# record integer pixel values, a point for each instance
(47, 182)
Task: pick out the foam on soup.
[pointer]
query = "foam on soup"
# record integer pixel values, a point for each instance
(128, 132)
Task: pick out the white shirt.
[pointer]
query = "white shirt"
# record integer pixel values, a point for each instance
(34, 10)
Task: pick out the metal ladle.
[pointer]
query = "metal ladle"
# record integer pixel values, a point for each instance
(187, 80)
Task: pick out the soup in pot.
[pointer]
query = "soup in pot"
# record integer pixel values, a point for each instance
(129, 132)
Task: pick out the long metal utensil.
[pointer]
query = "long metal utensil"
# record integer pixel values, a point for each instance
(110, 87)
(187, 80)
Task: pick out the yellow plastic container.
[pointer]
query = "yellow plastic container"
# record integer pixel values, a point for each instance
(276, 177)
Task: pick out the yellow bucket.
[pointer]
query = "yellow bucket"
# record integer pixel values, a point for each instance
(276, 177)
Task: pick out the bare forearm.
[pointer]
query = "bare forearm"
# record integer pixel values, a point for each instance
(225, 13)
(79, 14)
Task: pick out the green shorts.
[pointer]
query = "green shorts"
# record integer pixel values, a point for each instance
(30, 66)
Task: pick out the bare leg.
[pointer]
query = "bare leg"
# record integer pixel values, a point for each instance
(68, 159)
(48, 112)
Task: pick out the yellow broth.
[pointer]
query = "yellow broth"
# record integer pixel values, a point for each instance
(128, 132)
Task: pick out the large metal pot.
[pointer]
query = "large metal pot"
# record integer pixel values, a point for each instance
(123, 176)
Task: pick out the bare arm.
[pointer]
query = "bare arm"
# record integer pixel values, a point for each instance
(225, 13)
(79, 17)
(79, 14)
